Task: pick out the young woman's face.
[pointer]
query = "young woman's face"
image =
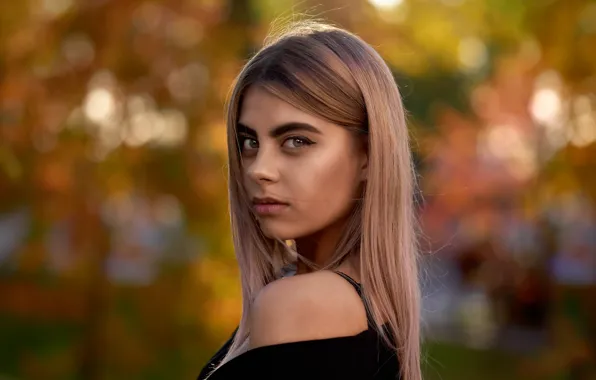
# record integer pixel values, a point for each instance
(302, 173)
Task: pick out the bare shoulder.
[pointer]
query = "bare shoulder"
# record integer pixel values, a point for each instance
(311, 306)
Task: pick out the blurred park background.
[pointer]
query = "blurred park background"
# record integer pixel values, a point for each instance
(115, 253)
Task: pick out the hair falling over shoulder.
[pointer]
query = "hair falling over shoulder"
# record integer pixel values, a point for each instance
(332, 73)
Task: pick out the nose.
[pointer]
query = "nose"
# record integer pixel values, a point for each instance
(263, 169)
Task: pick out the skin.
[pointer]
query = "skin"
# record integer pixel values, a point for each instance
(297, 158)
(317, 170)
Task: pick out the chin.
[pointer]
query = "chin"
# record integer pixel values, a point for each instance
(277, 230)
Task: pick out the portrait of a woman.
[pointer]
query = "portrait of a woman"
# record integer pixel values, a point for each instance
(321, 193)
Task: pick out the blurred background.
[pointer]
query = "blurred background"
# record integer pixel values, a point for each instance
(115, 253)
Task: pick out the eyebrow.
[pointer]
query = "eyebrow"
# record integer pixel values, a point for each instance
(280, 129)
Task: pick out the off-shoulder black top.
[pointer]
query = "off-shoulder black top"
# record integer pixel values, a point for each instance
(362, 356)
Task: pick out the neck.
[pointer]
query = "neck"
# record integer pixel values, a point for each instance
(319, 247)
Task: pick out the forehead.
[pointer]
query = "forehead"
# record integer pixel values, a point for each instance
(262, 110)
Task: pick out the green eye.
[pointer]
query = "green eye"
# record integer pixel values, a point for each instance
(248, 144)
(296, 142)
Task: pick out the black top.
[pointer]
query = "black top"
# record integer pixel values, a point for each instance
(362, 356)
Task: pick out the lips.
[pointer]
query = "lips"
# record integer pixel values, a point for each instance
(268, 206)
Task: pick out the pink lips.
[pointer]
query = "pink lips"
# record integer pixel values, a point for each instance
(268, 206)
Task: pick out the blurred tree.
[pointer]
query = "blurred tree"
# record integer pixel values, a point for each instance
(111, 132)
(101, 100)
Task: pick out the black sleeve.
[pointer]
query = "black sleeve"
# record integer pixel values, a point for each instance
(338, 358)
(214, 361)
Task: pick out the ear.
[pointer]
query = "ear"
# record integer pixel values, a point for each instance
(364, 168)
(364, 159)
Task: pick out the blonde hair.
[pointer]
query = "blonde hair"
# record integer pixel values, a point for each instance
(335, 75)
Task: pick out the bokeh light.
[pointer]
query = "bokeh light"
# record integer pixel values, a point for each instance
(385, 4)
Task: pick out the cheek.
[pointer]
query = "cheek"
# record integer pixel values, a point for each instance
(322, 189)
(326, 184)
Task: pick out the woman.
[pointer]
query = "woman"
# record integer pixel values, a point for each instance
(319, 156)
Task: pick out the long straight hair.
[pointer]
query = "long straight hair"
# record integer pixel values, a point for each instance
(333, 74)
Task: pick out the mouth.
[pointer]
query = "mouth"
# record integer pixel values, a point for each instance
(268, 206)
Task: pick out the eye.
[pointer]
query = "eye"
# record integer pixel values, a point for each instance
(249, 144)
(296, 142)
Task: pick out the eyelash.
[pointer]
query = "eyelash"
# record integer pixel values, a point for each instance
(305, 141)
